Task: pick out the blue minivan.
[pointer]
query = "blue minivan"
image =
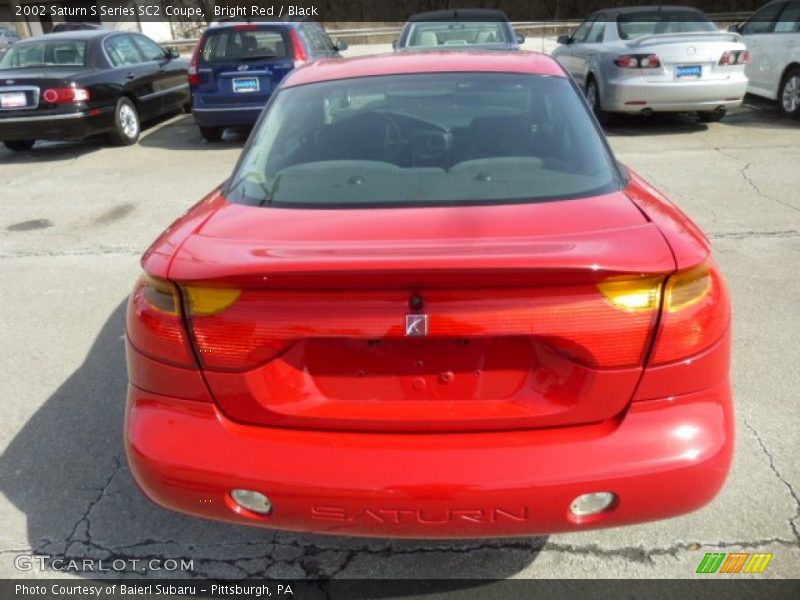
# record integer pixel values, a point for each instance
(236, 66)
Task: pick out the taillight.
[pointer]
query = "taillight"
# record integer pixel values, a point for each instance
(637, 61)
(194, 74)
(300, 54)
(737, 57)
(154, 324)
(695, 314)
(65, 95)
(607, 325)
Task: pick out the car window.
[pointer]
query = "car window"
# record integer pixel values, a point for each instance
(122, 50)
(582, 31)
(149, 49)
(763, 20)
(433, 34)
(596, 33)
(633, 25)
(424, 139)
(789, 21)
(234, 44)
(45, 53)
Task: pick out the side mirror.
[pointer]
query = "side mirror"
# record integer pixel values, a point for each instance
(340, 44)
(394, 45)
(735, 28)
(171, 53)
(519, 37)
(564, 39)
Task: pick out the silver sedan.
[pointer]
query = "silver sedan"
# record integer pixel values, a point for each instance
(645, 60)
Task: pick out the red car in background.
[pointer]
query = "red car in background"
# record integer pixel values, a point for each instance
(430, 303)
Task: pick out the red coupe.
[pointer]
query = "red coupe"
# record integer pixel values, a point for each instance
(430, 303)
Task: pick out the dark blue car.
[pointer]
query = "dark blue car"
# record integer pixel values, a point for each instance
(236, 67)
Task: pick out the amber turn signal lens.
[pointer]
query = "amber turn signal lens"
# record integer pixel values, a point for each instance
(208, 300)
(639, 294)
(687, 288)
(160, 295)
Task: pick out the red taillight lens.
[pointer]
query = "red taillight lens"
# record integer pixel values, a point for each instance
(637, 61)
(65, 95)
(300, 54)
(737, 57)
(194, 74)
(606, 325)
(154, 324)
(694, 316)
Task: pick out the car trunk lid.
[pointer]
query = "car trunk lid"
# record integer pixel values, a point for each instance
(690, 56)
(421, 319)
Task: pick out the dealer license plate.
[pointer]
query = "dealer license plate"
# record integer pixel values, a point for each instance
(245, 85)
(689, 71)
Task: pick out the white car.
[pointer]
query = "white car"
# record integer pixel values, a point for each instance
(655, 59)
(7, 37)
(772, 35)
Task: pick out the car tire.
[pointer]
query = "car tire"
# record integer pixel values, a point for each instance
(126, 123)
(789, 93)
(212, 134)
(711, 116)
(592, 93)
(19, 145)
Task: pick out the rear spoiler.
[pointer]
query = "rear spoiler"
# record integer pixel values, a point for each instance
(719, 36)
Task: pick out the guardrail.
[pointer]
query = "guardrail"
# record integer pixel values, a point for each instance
(522, 26)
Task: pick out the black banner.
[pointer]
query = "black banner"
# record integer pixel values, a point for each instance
(376, 11)
(360, 589)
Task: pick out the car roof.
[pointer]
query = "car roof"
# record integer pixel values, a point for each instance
(223, 24)
(78, 35)
(407, 63)
(652, 8)
(468, 14)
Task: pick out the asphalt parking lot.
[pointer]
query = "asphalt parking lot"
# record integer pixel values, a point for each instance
(76, 216)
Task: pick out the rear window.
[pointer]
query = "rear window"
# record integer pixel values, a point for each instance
(429, 35)
(650, 22)
(233, 44)
(424, 139)
(45, 54)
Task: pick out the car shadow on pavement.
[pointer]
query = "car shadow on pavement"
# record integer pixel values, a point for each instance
(50, 151)
(183, 134)
(655, 124)
(65, 470)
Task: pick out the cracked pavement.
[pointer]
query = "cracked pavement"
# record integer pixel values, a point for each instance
(81, 214)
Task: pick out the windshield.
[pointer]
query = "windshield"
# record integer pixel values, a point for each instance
(639, 24)
(246, 44)
(431, 35)
(45, 54)
(443, 138)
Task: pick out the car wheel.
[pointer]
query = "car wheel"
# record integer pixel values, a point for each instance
(212, 134)
(593, 99)
(789, 94)
(19, 145)
(126, 123)
(710, 116)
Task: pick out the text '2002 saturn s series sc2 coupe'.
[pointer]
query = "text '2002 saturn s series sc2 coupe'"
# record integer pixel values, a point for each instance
(430, 303)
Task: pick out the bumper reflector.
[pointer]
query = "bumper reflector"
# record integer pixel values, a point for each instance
(253, 501)
(587, 505)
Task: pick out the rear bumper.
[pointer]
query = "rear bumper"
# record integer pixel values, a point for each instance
(672, 96)
(65, 126)
(226, 116)
(662, 458)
